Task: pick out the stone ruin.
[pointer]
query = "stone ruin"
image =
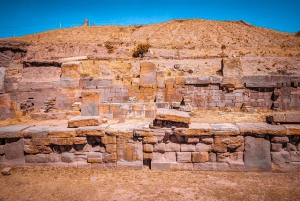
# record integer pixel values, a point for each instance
(169, 141)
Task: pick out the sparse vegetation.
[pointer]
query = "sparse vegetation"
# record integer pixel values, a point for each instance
(140, 49)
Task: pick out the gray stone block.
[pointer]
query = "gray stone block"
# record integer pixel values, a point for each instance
(280, 157)
(67, 157)
(160, 166)
(2, 75)
(257, 156)
(14, 150)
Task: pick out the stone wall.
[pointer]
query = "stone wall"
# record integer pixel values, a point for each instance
(88, 143)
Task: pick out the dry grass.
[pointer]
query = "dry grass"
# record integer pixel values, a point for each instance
(37, 183)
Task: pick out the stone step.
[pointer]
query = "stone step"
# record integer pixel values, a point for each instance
(283, 118)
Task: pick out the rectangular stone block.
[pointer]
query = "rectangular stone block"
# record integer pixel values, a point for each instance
(200, 157)
(173, 115)
(172, 147)
(83, 121)
(14, 150)
(225, 129)
(94, 157)
(187, 148)
(104, 166)
(13, 131)
(184, 157)
(181, 166)
(147, 73)
(257, 156)
(2, 74)
(199, 129)
(37, 158)
(283, 118)
(197, 80)
(133, 165)
(160, 166)
(70, 74)
(232, 73)
(90, 102)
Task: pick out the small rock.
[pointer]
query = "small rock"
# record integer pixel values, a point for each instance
(6, 171)
(94, 179)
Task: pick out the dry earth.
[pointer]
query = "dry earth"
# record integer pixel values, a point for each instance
(55, 183)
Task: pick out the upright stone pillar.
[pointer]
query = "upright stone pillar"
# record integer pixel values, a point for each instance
(90, 103)
(2, 74)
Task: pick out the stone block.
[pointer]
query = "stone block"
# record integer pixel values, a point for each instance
(257, 156)
(169, 157)
(83, 121)
(199, 129)
(2, 75)
(202, 80)
(148, 148)
(160, 166)
(37, 158)
(124, 165)
(61, 132)
(203, 166)
(147, 156)
(109, 158)
(104, 166)
(110, 148)
(283, 118)
(187, 148)
(184, 157)
(200, 157)
(212, 157)
(91, 131)
(12, 131)
(292, 129)
(295, 156)
(94, 157)
(14, 150)
(215, 79)
(159, 147)
(67, 157)
(225, 129)
(290, 147)
(147, 73)
(237, 156)
(53, 157)
(181, 166)
(236, 166)
(90, 102)
(200, 147)
(261, 129)
(84, 165)
(281, 140)
(173, 115)
(6, 171)
(280, 157)
(109, 140)
(70, 74)
(276, 147)
(232, 73)
(172, 147)
(207, 140)
(191, 140)
(36, 132)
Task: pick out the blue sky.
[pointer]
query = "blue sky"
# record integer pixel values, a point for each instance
(22, 17)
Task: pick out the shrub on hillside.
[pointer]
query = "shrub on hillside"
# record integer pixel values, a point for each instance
(140, 49)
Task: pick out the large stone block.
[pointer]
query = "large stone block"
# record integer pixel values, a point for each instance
(292, 129)
(83, 121)
(295, 156)
(91, 131)
(147, 73)
(70, 74)
(2, 75)
(94, 157)
(36, 132)
(283, 118)
(187, 148)
(199, 129)
(232, 73)
(280, 157)
(90, 102)
(133, 165)
(181, 166)
(202, 80)
(173, 115)
(129, 150)
(14, 150)
(12, 131)
(172, 147)
(200, 157)
(67, 157)
(225, 129)
(257, 156)
(37, 158)
(261, 129)
(184, 157)
(160, 166)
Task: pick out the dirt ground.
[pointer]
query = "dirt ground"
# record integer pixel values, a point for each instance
(56, 183)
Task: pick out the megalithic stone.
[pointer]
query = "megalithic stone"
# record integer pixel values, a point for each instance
(90, 102)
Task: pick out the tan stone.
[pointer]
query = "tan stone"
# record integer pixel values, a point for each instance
(199, 129)
(172, 115)
(91, 131)
(261, 128)
(109, 140)
(292, 129)
(83, 121)
(199, 157)
(57, 132)
(225, 129)
(148, 148)
(110, 148)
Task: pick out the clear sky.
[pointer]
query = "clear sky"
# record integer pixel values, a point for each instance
(22, 17)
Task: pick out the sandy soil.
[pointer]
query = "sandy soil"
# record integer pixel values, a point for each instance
(38, 183)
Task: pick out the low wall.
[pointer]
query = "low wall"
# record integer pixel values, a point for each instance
(204, 147)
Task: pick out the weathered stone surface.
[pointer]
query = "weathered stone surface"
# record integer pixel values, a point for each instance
(187, 148)
(200, 147)
(281, 140)
(237, 156)
(283, 118)
(70, 74)
(142, 130)
(37, 158)
(94, 157)
(292, 129)
(225, 129)
(90, 102)
(124, 129)
(290, 147)
(172, 115)
(91, 131)
(160, 166)
(109, 158)
(6, 171)
(236, 166)
(280, 157)
(147, 73)
(104, 166)
(257, 156)
(53, 157)
(14, 150)
(12, 131)
(184, 157)
(159, 147)
(172, 147)
(35, 132)
(261, 129)
(199, 129)
(197, 80)
(83, 121)
(200, 157)
(181, 166)
(2, 74)
(148, 148)
(61, 132)
(295, 156)
(276, 147)
(67, 157)
(124, 165)
(215, 79)
(232, 73)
